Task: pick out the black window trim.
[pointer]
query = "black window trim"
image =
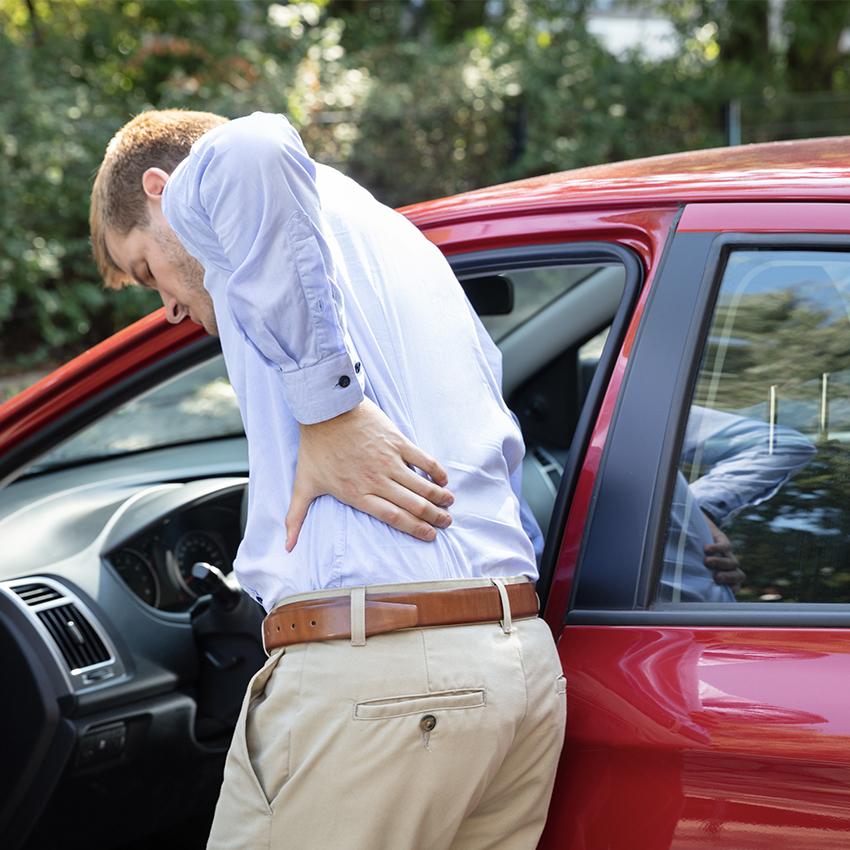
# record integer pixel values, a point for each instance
(714, 249)
(568, 253)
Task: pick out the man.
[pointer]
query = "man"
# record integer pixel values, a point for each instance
(411, 699)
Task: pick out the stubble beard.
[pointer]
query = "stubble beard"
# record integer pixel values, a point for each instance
(190, 271)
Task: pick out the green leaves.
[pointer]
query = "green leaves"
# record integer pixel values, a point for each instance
(415, 101)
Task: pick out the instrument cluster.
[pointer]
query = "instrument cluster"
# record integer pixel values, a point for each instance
(157, 564)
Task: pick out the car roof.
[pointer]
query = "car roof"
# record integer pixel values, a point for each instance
(808, 169)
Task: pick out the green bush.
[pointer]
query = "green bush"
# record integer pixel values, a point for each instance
(414, 101)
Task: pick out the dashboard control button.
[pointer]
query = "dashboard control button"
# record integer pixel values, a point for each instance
(102, 745)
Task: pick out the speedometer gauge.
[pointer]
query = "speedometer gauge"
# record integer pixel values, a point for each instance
(192, 547)
(137, 572)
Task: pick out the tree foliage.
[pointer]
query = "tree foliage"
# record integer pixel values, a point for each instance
(414, 100)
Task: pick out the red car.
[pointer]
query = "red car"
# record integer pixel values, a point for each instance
(676, 343)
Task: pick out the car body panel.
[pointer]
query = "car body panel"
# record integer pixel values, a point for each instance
(703, 738)
(765, 218)
(810, 170)
(637, 228)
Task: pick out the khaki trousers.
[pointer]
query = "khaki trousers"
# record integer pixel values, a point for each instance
(421, 739)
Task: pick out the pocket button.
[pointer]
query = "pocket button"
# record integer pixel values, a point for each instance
(427, 723)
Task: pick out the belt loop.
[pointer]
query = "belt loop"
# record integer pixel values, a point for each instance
(507, 624)
(358, 616)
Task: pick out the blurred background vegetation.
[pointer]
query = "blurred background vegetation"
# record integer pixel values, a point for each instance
(414, 98)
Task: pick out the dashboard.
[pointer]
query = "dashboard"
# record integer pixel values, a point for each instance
(157, 564)
(120, 665)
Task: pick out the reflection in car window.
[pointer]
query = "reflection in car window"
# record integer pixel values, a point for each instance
(197, 404)
(766, 455)
(534, 289)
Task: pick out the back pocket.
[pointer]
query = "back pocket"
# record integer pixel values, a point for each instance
(380, 709)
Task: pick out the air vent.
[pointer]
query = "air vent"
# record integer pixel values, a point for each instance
(36, 594)
(77, 640)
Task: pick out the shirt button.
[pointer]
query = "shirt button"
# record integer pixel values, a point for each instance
(357, 368)
(344, 381)
(427, 723)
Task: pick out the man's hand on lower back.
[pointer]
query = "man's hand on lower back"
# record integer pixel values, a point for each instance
(362, 459)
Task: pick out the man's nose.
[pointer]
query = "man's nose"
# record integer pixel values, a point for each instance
(174, 311)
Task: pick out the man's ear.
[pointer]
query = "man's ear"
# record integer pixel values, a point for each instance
(153, 182)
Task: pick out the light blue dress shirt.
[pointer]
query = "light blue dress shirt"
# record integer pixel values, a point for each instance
(322, 296)
(741, 469)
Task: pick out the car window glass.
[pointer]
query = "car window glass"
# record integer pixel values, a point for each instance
(765, 466)
(533, 289)
(196, 404)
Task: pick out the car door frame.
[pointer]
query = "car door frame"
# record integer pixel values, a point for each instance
(614, 585)
(567, 253)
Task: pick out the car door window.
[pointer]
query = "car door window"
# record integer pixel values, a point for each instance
(765, 465)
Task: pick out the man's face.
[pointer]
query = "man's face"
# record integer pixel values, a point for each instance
(154, 257)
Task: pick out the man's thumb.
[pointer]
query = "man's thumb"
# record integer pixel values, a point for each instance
(295, 518)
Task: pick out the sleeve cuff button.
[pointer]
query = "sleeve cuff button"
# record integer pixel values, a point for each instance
(344, 381)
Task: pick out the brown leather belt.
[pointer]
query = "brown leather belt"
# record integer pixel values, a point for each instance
(329, 618)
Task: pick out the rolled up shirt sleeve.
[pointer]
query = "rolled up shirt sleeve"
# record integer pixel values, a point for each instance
(252, 185)
(743, 467)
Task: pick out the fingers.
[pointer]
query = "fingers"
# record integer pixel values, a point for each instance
(416, 457)
(397, 517)
(733, 577)
(408, 479)
(414, 504)
(726, 570)
(721, 562)
(365, 462)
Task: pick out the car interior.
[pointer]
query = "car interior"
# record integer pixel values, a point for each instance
(127, 637)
